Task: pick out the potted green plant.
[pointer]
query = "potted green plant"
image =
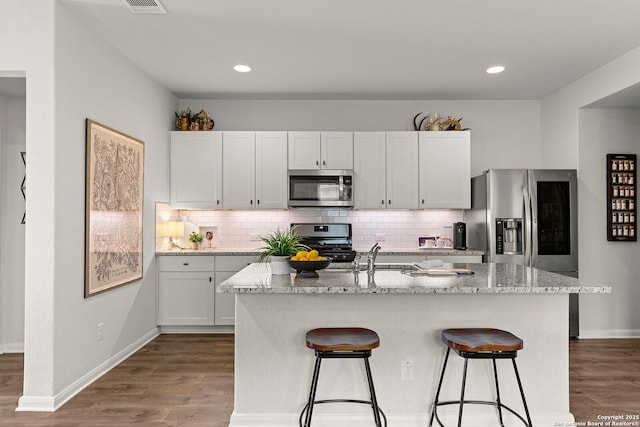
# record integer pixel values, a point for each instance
(278, 246)
(195, 239)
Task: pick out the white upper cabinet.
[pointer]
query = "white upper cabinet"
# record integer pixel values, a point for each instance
(445, 170)
(271, 170)
(392, 170)
(196, 170)
(320, 150)
(369, 170)
(336, 150)
(304, 150)
(239, 170)
(402, 170)
(255, 170)
(386, 170)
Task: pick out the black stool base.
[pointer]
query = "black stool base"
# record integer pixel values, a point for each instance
(497, 403)
(477, 402)
(307, 411)
(365, 402)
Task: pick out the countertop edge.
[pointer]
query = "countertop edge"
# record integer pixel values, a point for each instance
(415, 290)
(256, 252)
(486, 279)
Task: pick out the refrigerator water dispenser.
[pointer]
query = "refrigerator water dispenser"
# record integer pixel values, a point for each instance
(509, 236)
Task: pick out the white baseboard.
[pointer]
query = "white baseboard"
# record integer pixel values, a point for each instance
(12, 347)
(396, 420)
(51, 404)
(197, 329)
(609, 333)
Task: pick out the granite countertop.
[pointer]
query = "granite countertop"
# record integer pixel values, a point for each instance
(487, 279)
(426, 251)
(212, 251)
(255, 251)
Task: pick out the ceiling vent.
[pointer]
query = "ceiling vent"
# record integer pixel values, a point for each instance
(145, 6)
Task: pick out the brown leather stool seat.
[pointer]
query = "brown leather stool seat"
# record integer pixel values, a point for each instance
(480, 343)
(481, 339)
(341, 343)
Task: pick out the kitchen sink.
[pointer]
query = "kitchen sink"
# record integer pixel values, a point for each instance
(389, 266)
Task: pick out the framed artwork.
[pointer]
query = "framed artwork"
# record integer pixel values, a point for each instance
(113, 215)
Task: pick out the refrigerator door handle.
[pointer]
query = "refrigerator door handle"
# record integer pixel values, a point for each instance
(533, 203)
(526, 232)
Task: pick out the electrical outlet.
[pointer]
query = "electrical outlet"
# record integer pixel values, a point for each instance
(100, 331)
(406, 370)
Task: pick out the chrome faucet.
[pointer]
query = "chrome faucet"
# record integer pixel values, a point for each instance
(371, 258)
(355, 264)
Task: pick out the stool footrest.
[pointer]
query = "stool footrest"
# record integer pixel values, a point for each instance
(355, 354)
(487, 354)
(365, 402)
(478, 402)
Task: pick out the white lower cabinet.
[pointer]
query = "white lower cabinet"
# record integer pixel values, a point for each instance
(225, 304)
(187, 290)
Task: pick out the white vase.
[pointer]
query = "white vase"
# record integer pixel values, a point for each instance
(195, 245)
(279, 265)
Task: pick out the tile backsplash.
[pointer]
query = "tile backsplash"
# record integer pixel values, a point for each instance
(394, 229)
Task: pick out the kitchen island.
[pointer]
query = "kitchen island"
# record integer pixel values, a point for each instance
(273, 366)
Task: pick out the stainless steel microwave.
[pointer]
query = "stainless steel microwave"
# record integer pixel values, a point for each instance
(320, 188)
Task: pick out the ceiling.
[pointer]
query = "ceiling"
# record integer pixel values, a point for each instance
(367, 49)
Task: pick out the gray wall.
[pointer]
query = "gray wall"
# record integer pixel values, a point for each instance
(568, 138)
(604, 131)
(12, 232)
(504, 134)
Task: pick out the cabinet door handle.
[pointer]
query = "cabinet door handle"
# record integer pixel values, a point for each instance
(324, 163)
(423, 201)
(251, 202)
(389, 201)
(217, 202)
(317, 163)
(209, 279)
(185, 263)
(258, 201)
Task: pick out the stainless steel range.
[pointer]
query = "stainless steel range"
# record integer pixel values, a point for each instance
(332, 240)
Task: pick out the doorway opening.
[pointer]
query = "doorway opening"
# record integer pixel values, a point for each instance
(12, 209)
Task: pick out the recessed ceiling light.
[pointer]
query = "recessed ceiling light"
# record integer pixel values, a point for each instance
(242, 68)
(495, 69)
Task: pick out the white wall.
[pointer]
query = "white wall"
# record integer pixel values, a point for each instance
(560, 140)
(569, 141)
(393, 229)
(93, 81)
(12, 232)
(504, 134)
(26, 50)
(72, 75)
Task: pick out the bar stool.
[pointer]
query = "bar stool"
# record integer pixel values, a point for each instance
(480, 343)
(342, 343)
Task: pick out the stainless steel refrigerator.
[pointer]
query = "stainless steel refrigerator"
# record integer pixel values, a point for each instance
(528, 217)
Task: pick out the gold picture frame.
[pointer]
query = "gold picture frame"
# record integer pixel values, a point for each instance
(114, 209)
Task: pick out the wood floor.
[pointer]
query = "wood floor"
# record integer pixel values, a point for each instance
(187, 380)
